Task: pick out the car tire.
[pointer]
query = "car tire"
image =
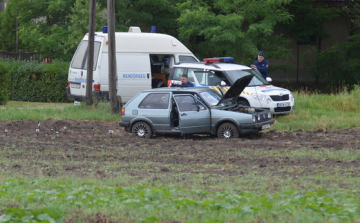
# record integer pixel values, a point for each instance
(242, 101)
(227, 130)
(141, 130)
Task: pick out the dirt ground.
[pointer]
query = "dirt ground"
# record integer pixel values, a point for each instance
(32, 146)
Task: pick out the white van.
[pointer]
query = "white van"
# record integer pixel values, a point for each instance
(144, 61)
(221, 73)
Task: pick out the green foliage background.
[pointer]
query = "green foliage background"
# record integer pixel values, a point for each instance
(237, 28)
(37, 82)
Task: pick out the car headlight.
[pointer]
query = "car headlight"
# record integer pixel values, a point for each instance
(291, 97)
(253, 118)
(262, 97)
(269, 115)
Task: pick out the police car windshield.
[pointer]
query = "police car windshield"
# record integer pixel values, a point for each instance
(257, 80)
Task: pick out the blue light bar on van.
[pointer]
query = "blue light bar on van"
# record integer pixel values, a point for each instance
(219, 59)
(105, 29)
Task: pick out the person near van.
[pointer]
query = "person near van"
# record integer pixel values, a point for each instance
(184, 82)
(262, 65)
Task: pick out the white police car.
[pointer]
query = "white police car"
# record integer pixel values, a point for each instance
(221, 73)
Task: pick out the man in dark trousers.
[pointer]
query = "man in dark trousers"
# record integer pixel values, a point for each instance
(184, 82)
(262, 65)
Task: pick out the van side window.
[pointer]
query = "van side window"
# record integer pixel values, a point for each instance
(80, 57)
(184, 59)
(155, 101)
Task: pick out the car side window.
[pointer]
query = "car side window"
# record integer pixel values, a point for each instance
(186, 103)
(155, 101)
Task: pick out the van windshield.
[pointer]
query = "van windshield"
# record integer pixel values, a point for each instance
(81, 55)
(257, 80)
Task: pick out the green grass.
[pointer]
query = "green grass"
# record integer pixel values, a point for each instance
(322, 111)
(161, 203)
(42, 111)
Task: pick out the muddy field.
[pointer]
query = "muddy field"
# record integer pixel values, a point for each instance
(80, 148)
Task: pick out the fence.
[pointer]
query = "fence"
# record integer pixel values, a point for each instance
(27, 56)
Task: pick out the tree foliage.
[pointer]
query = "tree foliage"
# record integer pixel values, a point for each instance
(237, 28)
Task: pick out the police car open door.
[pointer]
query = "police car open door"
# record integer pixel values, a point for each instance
(194, 118)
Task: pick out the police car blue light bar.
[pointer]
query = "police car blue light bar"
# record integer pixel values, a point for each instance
(219, 59)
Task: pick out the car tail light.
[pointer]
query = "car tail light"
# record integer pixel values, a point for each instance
(169, 83)
(97, 87)
(68, 84)
(123, 111)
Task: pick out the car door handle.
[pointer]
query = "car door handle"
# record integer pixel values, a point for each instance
(183, 114)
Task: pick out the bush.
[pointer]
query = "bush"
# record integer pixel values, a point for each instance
(4, 80)
(37, 82)
(340, 64)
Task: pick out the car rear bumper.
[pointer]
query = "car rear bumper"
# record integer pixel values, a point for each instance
(126, 125)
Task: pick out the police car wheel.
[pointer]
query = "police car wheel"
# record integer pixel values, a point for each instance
(142, 130)
(242, 101)
(227, 131)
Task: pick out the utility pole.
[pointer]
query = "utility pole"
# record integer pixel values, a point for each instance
(114, 106)
(90, 64)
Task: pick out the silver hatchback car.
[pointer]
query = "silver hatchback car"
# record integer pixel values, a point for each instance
(193, 111)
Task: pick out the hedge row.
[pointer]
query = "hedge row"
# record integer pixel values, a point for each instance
(33, 81)
(4, 83)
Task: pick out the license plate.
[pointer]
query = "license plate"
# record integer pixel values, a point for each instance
(285, 104)
(265, 126)
(72, 85)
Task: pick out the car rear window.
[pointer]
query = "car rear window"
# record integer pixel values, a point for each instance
(155, 101)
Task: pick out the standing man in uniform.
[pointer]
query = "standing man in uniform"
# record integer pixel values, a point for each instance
(262, 65)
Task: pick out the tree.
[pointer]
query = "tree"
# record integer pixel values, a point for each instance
(146, 13)
(237, 28)
(53, 28)
(79, 23)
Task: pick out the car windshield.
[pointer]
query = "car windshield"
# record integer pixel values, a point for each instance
(211, 97)
(257, 80)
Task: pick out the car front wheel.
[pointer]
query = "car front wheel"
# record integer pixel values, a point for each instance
(227, 131)
(142, 130)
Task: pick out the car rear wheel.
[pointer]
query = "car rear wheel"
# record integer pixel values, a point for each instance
(227, 131)
(142, 130)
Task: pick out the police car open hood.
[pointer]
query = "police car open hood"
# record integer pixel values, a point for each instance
(236, 89)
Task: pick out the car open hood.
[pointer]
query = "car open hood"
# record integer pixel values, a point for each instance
(236, 89)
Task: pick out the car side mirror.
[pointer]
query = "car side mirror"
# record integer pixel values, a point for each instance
(222, 83)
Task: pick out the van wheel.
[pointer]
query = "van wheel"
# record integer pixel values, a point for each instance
(227, 131)
(142, 130)
(242, 101)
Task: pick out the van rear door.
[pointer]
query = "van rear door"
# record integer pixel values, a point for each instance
(77, 76)
(134, 74)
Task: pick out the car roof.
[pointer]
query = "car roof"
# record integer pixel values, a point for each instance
(179, 89)
(213, 66)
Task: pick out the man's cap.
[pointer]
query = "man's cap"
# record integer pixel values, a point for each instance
(261, 53)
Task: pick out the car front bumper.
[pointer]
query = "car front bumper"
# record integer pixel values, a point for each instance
(257, 126)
